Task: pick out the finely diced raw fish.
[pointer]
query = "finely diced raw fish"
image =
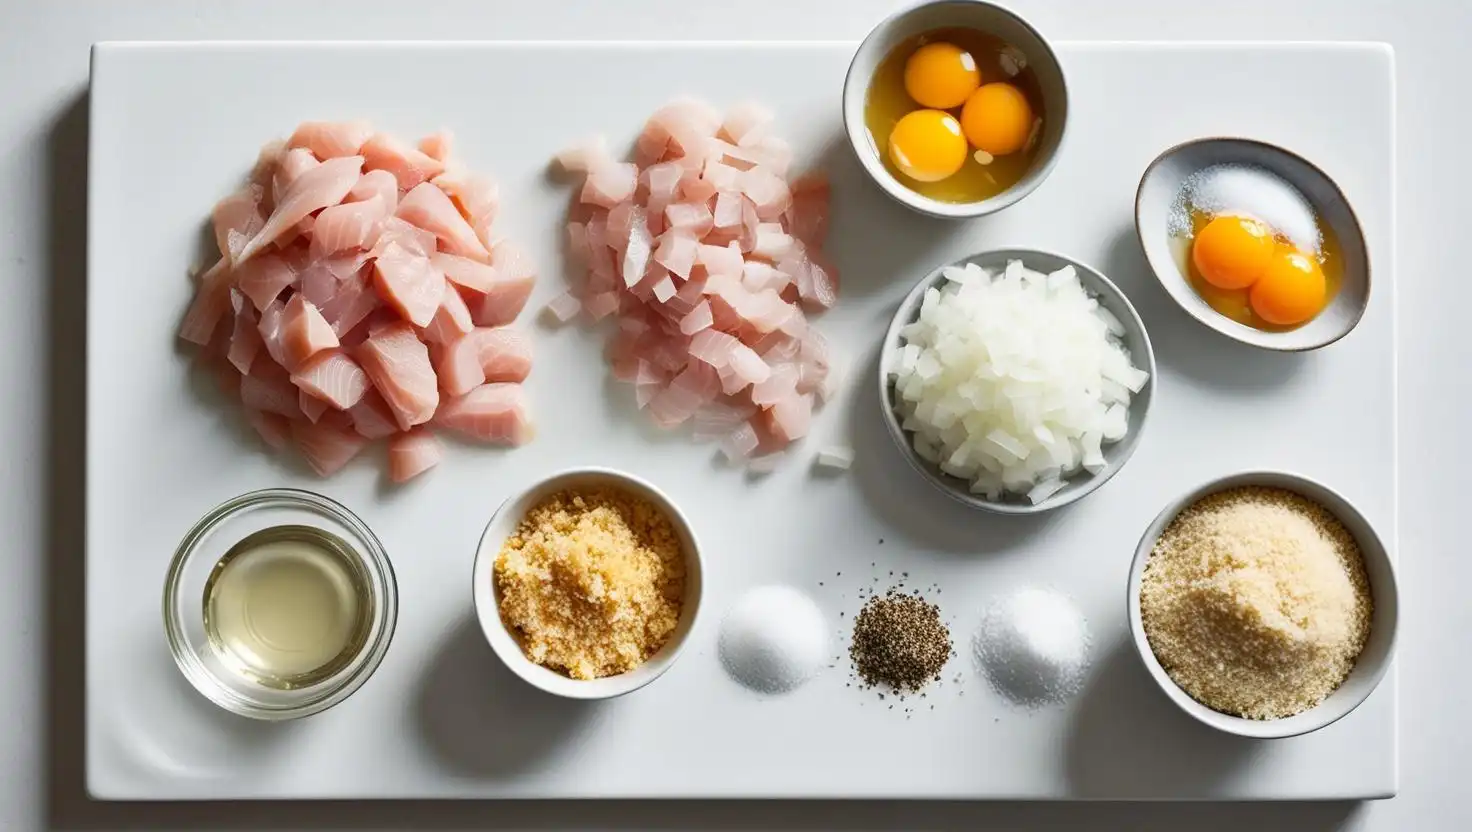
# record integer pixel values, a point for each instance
(377, 183)
(820, 289)
(331, 139)
(694, 218)
(748, 365)
(688, 122)
(327, 448)
(211, 304)
(245, 338)
(663, 181)
(727, 212)
(347, 226)
(273, 428)
(637, 246)
(664, 289)
(771, 241)
(427, 207)
(609, 184)
(781, 383)
(757, 276)
(746, 123)
(713, 347)
(268, 389)
(809, 211)
(293, 163)
(410, 283)
(237, 218)
(697, 319)
(451, 320)
(323, 185)
(577, 242)
(564, 307)
(767, 191)
(334, 378)
(585, 156)
(789, 418)
(438, 146)
(676, 252)
(721, 176)
(304, 332)
(492, 413)
(409, 166)
(311, 406)
(372, 417)
(740, 443)
(477, 198)
(720, 260)
(398, 365)
(687, 392)
(412, 453)
(601, 305)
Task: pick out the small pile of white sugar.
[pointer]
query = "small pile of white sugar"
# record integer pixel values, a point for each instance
(1033, 646)
(774, 639)
(1245, 190)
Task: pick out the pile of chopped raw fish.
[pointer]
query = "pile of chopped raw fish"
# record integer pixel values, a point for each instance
(361, 295)
(709, 257)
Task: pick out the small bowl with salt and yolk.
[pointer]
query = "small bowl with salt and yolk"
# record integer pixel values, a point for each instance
(943, 122)
(1242, 253)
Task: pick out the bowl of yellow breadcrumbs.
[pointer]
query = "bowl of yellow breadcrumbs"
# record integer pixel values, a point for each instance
(1264, 604)
(587, 583)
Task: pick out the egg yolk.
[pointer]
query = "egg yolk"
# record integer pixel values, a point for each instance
(941, 76)
(997, 119)
(927, 145)
(1233, 252)
(1290, 291)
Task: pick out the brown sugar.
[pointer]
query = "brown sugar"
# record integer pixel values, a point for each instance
(1255, 602)
(592, 582)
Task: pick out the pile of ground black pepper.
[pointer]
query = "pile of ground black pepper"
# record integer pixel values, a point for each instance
(899, 641)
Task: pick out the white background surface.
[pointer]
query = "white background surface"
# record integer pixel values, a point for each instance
(439, 718)
(42, 140)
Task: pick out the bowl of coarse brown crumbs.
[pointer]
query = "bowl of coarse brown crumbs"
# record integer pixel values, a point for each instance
(587, 583)
(1264, 604)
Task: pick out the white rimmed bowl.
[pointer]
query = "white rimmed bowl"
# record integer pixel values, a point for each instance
(503, 524)
(1116, 454)
(1161, 183)
(969, 14)
(1373, 661)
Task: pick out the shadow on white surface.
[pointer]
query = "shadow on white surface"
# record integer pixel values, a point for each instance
(68, 807)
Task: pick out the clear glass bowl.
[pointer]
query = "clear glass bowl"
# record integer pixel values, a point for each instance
(184, 602)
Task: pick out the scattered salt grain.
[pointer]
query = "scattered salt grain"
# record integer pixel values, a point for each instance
(1247, 190)
(837, 458)
(1033, 646)
(774, 639)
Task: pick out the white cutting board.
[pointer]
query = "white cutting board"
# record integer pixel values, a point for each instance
(175, 126)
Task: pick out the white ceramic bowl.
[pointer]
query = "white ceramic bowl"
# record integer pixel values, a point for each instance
(1162, 182)
(1116, 454)
(1373, 660)
(969, 14)
(503, 524)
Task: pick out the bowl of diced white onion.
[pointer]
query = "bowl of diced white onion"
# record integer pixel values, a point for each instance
(1016, 380)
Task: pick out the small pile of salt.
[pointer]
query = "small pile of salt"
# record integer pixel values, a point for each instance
(774, 639)
(1033, 646)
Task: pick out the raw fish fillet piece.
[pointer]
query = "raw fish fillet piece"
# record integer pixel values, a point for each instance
(273, 428)
(808, 214)
(354, 300)
(331, 139)
(410, 283)
(347, 226)
(746, 123)
(676, 252)
(304, 332)
(237, 218)
(311, 406)
(585, 156)
(245, 337)
(323, 185)
(466, 273)
(273, 331)
(408, 165)
(397, 363)
(438, 145)
(691, 218)
(495, 295)
(210, 305)
(451, 320)
(333, 378)
(406, 235)
(697, 319)
(767, 191)
(492, 413)
(427, 207)
(412, 453)
(290, 166)
(609, 184)
(484, 355)
(477, 198)
(790, 416)
(379, 183)
(269, 389)
(372, 417)
(327, 448)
